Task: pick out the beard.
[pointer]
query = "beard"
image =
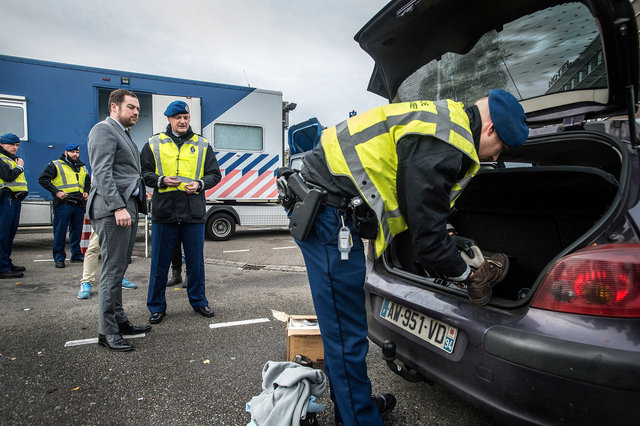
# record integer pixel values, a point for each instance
(127, 121)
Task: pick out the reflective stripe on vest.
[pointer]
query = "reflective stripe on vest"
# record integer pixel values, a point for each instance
(363, 148)
(187, 162)
(18, 185)
(68, 180)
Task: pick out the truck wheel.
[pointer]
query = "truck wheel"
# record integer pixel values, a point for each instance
(220, 227)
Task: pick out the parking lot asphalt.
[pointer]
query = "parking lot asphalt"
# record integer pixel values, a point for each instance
(182, 371)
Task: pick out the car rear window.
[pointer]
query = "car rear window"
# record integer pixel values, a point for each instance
(555, 50)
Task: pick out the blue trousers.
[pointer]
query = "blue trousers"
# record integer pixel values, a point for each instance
(164, 239)
(66, 217)
(339, 300)
(9, 219)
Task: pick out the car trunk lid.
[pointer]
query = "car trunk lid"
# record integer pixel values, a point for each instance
(520, 50)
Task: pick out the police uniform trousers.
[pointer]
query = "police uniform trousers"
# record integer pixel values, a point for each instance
(116, 246)
(165, 237)
(9, 219)
(67, 216)
(337, 289)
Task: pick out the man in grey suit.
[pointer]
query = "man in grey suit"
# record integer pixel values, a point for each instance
(116, 196)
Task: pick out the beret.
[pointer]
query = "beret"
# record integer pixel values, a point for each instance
(176, 107)
(9, 138)
(71, 147)
(508, 118)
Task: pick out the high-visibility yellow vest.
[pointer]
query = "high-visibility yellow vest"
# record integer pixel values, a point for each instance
(363, 148)
(18, 185)
(68, 180)
(186, 162)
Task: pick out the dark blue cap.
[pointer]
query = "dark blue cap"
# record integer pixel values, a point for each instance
(508, 118)
(9, 138)
(176, 107)
(71, 147)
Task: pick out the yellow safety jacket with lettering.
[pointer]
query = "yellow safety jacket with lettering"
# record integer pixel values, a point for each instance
(68, 180)
(363, 148)
(18, 185)
(186, 162)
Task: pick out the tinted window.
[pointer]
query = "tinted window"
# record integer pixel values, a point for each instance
(238, 137)
(554, 50)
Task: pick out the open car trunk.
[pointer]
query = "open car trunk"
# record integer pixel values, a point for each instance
(542, 204)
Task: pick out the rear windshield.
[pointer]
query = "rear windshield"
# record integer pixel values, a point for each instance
(554, 50)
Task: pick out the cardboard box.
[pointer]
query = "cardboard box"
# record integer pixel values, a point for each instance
(303, 338)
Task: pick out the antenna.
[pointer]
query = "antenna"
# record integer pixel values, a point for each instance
(245, 77)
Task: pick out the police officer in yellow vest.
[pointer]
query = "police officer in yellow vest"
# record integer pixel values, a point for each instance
(13, 189)
(69, 182)
(180, 165)
(402, 165)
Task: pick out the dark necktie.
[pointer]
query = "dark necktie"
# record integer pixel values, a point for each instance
(129, 135)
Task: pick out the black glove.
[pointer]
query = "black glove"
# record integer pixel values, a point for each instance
(464, 244)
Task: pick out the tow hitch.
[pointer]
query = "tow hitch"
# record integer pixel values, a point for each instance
(389, 355)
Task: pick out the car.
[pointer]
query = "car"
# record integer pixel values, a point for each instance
(559, 341)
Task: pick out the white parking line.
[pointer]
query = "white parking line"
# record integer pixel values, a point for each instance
(284, 248)
(234, 323)
(95, 340)
(234, 251)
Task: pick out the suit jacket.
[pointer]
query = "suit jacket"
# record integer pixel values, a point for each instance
(115, 166)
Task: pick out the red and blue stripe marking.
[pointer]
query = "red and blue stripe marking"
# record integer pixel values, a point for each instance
(249, 176)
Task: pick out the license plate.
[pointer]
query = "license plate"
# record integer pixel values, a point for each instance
(432, 331)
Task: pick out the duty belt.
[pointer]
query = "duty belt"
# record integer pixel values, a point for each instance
(304, 199)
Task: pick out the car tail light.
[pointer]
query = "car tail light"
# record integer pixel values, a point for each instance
(599, 280)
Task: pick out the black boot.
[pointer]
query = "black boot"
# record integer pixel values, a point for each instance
(176, 277)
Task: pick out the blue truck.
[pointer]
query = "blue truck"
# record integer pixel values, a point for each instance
(49, 104)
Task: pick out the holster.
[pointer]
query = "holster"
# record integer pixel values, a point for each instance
(366, 222)
(304, 211)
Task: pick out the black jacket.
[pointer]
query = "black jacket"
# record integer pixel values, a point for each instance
(427, 170)
(8, 174)
(51, 171)
(178, 206)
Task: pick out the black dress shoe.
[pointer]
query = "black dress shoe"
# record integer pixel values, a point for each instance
(60, 264)
(81, 260)
(156, 317)
(11, 274)
(15, 268)
(115, 342)
(205, 311)
(128, 328)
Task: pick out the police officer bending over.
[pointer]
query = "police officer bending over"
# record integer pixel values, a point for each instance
(68, 180)
(405, 164)
(180, 165)
(13, 189)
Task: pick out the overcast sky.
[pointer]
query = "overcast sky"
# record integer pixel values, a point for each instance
(303, 48)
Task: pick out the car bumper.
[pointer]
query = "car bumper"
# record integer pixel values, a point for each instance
(576, 361)
(511, 364)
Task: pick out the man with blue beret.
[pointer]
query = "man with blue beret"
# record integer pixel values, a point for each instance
(69, 182)
(399, 167)
(180, 166)
(13, 189)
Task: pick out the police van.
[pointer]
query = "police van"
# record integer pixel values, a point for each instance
(50, 104)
